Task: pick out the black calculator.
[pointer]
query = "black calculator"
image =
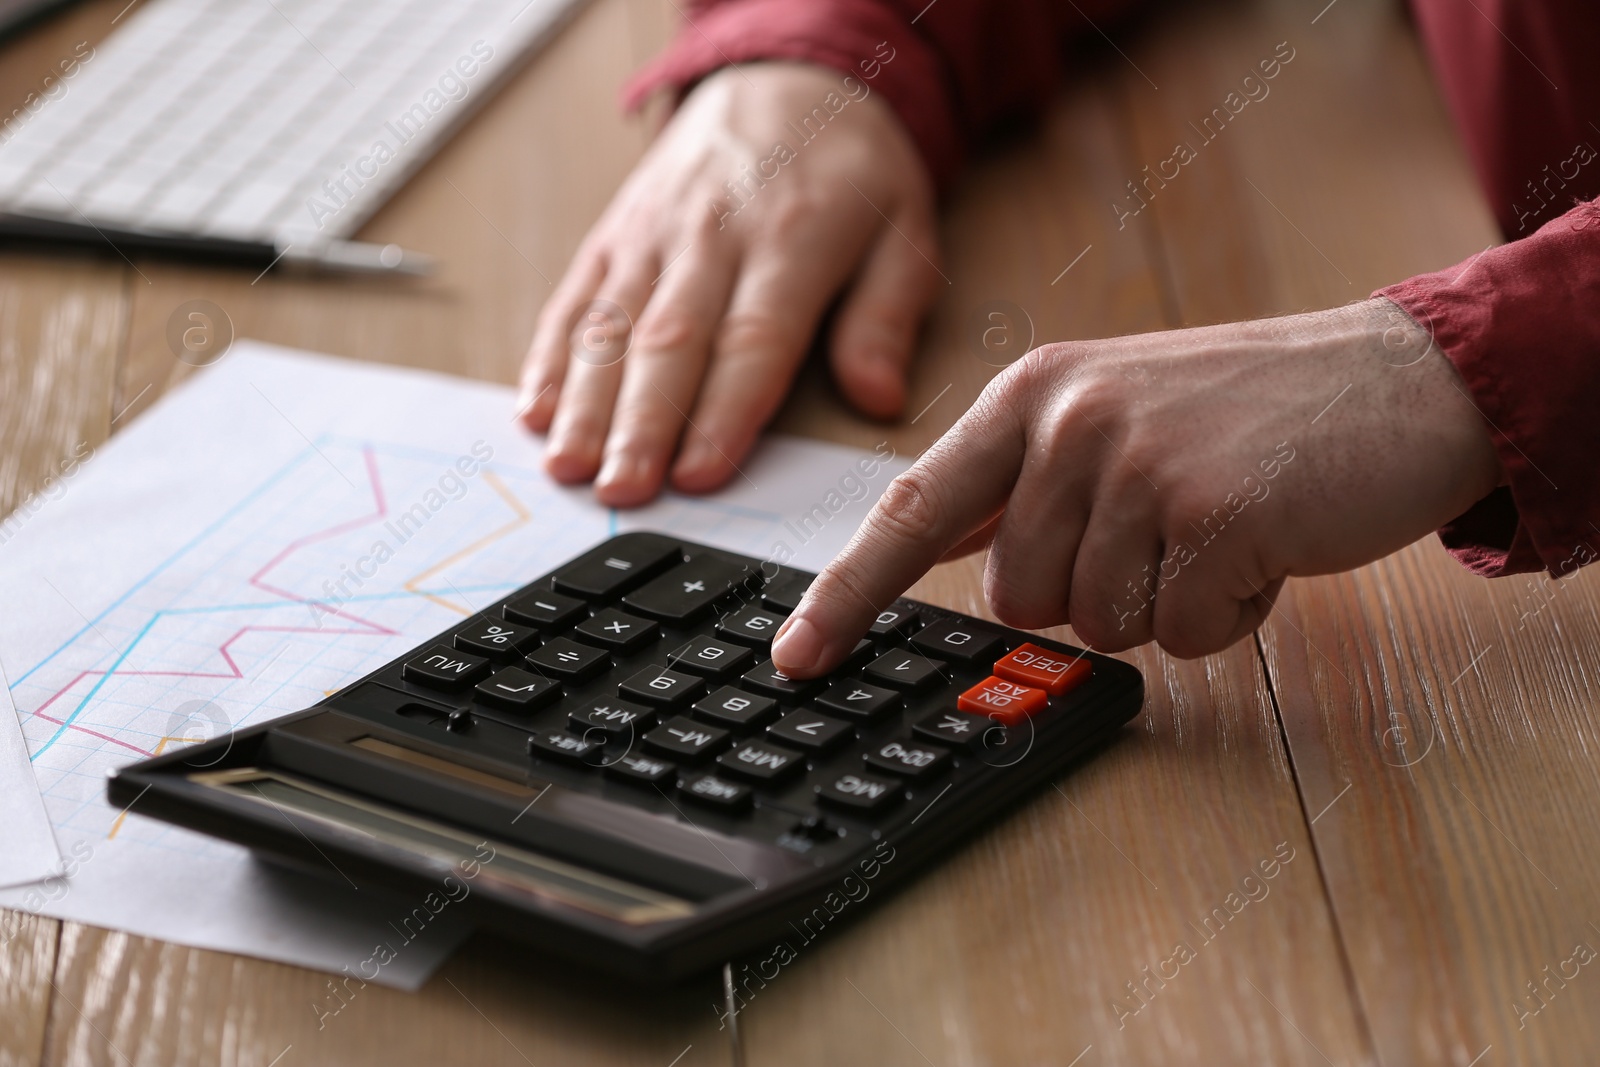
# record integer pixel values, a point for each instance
(610, 757)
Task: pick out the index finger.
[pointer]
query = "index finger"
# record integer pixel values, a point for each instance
(954, 489)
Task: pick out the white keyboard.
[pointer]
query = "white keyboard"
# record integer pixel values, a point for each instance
(277, 122)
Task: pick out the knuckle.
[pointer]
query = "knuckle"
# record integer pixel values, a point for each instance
(669, 328)
(909, 507)
(752, 336)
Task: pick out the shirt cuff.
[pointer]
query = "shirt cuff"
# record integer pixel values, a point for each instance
(1519, 324)
(870, 43)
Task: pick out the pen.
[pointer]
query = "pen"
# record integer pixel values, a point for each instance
(358, 257)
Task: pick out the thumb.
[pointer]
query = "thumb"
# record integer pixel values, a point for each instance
(875, 332)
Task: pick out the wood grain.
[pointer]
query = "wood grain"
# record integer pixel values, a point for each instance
(1448, 725)
(129, 1000)
(1450, 795)
(27, 961)
(1021, 948)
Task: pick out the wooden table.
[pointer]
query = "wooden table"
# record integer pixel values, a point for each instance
(1410, 750)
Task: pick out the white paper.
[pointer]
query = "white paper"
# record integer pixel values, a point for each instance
(27, 846)
(172, 593)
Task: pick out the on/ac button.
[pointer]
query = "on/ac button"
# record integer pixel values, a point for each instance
(1054, 672)
(1005, 702)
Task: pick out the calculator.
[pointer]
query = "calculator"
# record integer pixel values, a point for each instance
(611, 760)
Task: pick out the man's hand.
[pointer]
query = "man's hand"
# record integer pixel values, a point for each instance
(711, 269)
(1163, 486)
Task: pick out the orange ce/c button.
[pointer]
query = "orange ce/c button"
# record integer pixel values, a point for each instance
(1053, 672)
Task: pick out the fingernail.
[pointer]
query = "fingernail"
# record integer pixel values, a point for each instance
(798, 645)
(612, 470)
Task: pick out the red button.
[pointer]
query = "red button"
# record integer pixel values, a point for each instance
(1054, 672)
(1005, 702)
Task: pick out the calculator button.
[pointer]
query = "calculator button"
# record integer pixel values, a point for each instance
(858, 700)
(770, 680)
(786, 588)
(958, 639)
(657, 685)
(861, 793)
(1005, 702)
(758, 761)
(559, 745)
(441, 667)
(736, 709)
(903, 669)
(618, 630)
(547, 611)
(495, 639)
(568, 660)
(810, 730)
(518, 690)
(616, 566)
(710, 657)
(686, 739)
(612, 717)
(708, 789)
(899, 620)
(1054, 672)
(685, 592)
(956, 728)
(646, 770)
(908, 759)
(751, 625)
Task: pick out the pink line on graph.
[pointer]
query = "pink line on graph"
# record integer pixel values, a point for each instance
(381, 510)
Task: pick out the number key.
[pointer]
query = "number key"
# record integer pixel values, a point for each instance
(736, 709)
(751, 625)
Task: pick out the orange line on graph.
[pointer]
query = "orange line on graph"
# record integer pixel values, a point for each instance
(523, 515)
(161, 744)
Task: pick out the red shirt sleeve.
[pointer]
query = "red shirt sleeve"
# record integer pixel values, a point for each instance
(1521, 323)
(950, 69)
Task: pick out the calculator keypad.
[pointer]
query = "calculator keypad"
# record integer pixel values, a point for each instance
(647, 666)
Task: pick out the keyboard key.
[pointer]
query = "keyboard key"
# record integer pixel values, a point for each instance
(617, 566)
(518, 690)
(899, 620)
(547, 611)
(562, 746)
(712, 658)
(1054, 672)
(659, 686)
(858, 655)
(858, 700)
(861, 793)
(908, 759)
(760, 762)
(958, 640)
(770, 680)
(618, 630)
(903, 670)
(684, 593)
(1003, 701)
(729, 796)
(566, 659)
(751, 625)
(645, 770)
(785, 589)
(686, 739)
(959, 729)
(614, 717)
(441, 667)
(736, 709)
(810, 730)
(495, 639)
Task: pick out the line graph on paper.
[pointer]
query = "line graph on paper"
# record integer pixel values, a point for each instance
(350, 553)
